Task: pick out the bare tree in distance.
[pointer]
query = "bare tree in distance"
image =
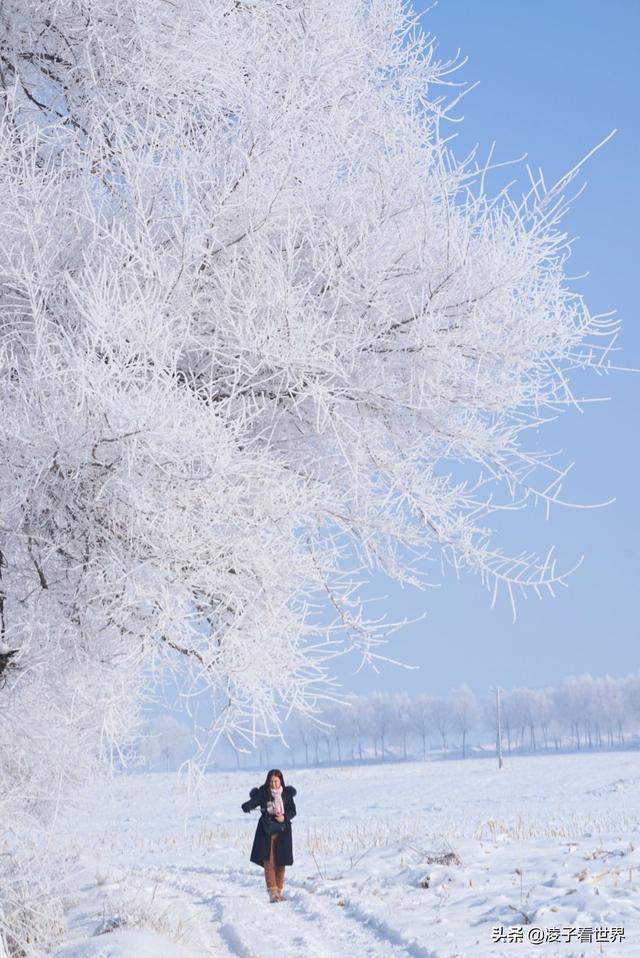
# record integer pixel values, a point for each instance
(465, 712)
(422, 719)
(442, 718)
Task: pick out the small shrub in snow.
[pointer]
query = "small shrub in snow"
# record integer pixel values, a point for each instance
(31, 910)
(443, 858)
(142, 914)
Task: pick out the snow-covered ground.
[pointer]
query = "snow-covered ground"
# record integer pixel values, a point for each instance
(550, 842)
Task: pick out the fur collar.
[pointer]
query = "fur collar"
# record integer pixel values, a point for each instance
(287, 792)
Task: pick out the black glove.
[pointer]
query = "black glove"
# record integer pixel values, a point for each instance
(246, 806)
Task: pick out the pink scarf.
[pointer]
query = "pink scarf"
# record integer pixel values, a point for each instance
(276, 807)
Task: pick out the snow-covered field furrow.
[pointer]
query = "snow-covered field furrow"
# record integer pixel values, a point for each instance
(387, 937)
(311, 921)
(551, 842)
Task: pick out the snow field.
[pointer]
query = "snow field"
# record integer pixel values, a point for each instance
(549, 841)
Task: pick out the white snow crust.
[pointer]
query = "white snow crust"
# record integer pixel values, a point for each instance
(549, 841)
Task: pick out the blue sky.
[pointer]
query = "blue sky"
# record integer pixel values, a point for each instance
(556, 76)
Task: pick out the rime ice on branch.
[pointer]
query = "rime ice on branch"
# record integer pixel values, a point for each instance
(253, 314)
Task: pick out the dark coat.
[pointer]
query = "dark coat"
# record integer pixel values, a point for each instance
(258, 797)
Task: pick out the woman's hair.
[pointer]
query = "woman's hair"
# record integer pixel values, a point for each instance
(273, 771)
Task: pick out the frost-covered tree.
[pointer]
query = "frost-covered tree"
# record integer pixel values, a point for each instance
(254, 313)
(442, 719)
(340, 729)
(357, 715)
(530, 708)
(619, 704)
(298, 734)
(543, 712)
(465, 712)
(625, 701)
(382, 720)
(404, 719)
(166, 742)
(577, 704)
(422, 719)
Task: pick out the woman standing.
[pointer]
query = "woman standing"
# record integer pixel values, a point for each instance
(272, 845)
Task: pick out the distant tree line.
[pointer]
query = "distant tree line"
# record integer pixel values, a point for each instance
(582, 712)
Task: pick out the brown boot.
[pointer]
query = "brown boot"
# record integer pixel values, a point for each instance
(270, 872)
(280, 881)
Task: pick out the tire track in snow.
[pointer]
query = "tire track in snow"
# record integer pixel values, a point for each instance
(227, 941)
(230, 892)
(234, 942)
(227, 892)
(311, 921)
(376, 926)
